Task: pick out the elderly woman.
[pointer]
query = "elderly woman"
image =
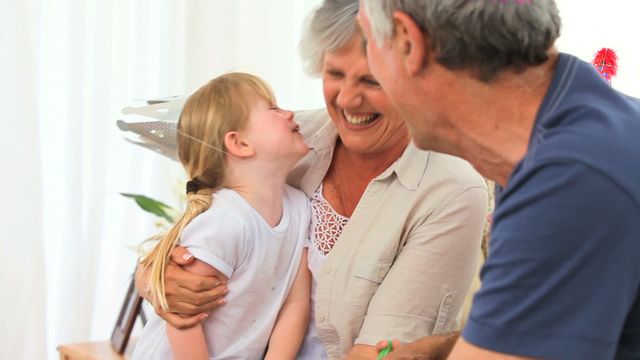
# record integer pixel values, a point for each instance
(396, 231)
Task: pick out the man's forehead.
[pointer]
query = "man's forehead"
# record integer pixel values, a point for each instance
(362, 20)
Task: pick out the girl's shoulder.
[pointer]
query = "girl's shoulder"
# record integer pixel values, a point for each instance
(224, 216)
(296, 197)
(298, 206)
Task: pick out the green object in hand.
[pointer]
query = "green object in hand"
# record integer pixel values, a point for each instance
(385, 351)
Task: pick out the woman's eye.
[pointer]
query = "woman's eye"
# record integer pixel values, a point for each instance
(371, 82)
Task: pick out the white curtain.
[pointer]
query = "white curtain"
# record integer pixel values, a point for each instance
(67, 67)
(22, 303)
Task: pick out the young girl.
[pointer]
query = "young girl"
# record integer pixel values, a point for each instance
(242, 224)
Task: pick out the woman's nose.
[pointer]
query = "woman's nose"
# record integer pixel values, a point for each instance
(349, 97)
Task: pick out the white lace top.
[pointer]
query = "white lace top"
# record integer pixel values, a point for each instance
(326, 227)
(326, 223)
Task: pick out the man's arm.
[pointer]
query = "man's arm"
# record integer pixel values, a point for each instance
(190, 296)
(435, 347)
(441, 347)
(558, 281)
(465, 350)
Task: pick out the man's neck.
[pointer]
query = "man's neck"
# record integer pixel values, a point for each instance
(493, 127)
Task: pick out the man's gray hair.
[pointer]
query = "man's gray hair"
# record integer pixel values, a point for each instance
(486, 36)
(329, 27)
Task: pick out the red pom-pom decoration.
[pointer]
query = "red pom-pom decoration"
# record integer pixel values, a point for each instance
(606, 63)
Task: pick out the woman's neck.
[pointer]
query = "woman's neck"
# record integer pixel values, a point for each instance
(261, 188)
(350, 173)
(367, 166)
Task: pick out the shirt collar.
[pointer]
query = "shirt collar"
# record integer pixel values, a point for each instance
(409, 168)
(325, 138)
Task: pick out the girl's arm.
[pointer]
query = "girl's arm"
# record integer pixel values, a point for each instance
(190, 296)
(190, 343)
(292, 321)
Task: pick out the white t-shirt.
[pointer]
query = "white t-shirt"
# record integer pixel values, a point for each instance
(261, 263)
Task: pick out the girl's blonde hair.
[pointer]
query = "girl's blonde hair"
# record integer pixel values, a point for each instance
(220, 106)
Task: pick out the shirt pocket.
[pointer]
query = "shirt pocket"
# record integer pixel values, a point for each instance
(367, 276)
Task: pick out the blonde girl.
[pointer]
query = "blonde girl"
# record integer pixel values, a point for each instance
(242, 223)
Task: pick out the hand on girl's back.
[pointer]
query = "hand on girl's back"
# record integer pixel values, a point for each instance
(190, 296)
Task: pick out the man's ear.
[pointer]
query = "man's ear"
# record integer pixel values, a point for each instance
(411, 41)
(237, 145)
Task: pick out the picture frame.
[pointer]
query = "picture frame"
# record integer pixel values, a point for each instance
(129, 312)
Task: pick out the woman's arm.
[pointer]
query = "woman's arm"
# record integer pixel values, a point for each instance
(424, 289)
(190, 296)
(362, 352)
(293, 319)
(190, 344)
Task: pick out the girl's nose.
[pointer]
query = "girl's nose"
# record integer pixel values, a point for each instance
(288, 114)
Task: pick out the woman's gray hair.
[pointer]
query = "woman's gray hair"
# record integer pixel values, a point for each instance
(486, 36)
(329, 27)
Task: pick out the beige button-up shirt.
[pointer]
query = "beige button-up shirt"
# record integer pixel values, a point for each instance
(405, 260)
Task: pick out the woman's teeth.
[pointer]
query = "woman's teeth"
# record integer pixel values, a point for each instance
(360, 119)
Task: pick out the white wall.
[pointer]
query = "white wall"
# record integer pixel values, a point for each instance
(589, 25)
(252, 35)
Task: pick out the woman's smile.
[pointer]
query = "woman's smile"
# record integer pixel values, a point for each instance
(360, 120)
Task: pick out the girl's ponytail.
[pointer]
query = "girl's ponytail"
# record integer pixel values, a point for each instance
(158, 258)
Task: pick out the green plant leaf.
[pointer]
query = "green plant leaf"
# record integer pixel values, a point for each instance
(150, 205)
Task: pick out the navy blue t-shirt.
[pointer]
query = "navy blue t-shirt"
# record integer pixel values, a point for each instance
(562, 280)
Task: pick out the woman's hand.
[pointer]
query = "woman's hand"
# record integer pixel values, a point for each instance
(190, 297)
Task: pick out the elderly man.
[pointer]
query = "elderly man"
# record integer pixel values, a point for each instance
(482, 80)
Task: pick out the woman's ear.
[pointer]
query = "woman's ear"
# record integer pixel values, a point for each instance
(411, 42)
(237, 145)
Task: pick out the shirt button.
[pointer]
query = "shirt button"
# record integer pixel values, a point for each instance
(381, 273)
(448, 301)
(322, 318)
(327, 270)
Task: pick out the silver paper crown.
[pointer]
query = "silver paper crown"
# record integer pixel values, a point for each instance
(158, 135)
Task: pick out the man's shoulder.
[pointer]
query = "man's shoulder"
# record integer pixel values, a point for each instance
(599, 129)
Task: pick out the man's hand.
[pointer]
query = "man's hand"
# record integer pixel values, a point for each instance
(190, 297)
(400, 351)
(436, 347)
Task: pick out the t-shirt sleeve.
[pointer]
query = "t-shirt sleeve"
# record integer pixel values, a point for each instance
(218, 239)
(301, 210)
(561, 276)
